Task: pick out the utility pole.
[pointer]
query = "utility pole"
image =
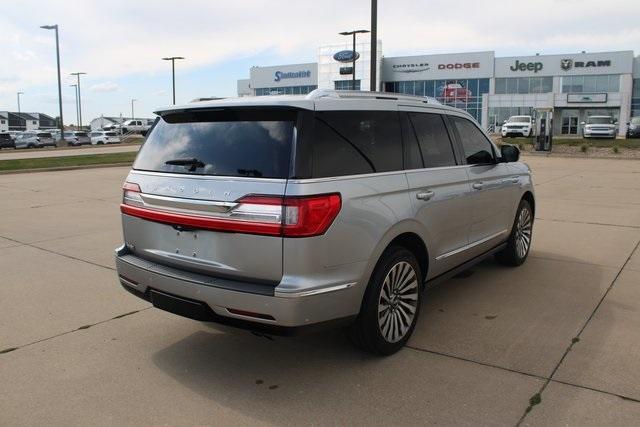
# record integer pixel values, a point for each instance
(374, 45)
(133, 117)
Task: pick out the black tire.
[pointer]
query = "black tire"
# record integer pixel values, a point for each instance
(519, 242)
(387, 331)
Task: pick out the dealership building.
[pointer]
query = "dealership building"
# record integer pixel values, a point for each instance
(573, 86)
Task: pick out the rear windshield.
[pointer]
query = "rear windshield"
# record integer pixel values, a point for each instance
(221, 142)
(45, 135)
(81, 134)
(110, 133)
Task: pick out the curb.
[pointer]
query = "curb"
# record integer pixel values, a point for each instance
(65, 168)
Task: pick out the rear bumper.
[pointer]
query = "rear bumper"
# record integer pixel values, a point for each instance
(246, 305)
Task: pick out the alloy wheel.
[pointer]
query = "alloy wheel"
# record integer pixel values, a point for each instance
(523, 232)
(398, 301)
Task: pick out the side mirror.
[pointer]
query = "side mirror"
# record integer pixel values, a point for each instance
(510, 153)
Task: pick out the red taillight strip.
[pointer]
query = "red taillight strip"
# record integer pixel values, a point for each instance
(206, 223)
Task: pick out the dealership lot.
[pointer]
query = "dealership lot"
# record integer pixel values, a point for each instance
(77, 349)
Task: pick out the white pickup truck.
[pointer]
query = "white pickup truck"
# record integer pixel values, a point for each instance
(134, 125)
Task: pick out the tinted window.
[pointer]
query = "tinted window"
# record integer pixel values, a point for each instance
(412, 154)
(228, 142)
(373, 134)
(434, 140)
(477, 149)
(335, 156)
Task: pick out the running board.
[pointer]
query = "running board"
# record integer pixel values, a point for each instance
(462, 267)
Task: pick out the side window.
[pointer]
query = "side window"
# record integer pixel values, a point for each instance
(412, 155)
(333, 156)
(375, 135)
(433, 137)
(477, 149)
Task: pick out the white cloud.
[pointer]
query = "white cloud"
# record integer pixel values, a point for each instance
(161, 92)
(104, 87)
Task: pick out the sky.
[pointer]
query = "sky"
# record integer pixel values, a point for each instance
(119, 44)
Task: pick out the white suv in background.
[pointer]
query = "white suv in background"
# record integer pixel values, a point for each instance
(600, 127)
(518, 126)
(101, 137)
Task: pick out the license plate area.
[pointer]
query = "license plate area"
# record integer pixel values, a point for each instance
(182, 307)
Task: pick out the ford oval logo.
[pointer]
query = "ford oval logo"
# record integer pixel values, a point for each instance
(346, 56)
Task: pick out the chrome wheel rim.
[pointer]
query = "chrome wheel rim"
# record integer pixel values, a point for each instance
(398, 301)
(523, 232)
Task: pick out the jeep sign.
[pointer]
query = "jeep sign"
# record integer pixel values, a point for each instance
(526, 66)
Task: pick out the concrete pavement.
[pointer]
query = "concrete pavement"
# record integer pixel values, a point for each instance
(79, 350)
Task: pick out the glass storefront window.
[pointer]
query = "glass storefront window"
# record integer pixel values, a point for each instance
(285, 90)
(588, 84)
(523, 85)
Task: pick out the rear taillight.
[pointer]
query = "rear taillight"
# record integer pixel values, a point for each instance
(294, 216)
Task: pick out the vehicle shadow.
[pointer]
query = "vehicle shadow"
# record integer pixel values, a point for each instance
(517, 318)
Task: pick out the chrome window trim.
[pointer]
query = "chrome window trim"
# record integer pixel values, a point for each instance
(299, 294)
(208, 177)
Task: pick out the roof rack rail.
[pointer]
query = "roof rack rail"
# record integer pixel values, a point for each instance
(361, 94)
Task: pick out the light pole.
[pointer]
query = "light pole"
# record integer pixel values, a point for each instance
(133, 117)
(55, 27)
(173, 73)
(374, 45)
(353, 33)
(77, 112)
(19, 93)
(79, 99)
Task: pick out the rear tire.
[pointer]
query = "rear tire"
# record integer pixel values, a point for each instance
(519, 242)
(391, 304)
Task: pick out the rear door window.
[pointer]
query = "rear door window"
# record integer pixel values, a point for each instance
(476, 147)
(222, 142)
(374, 135)
(433, 137)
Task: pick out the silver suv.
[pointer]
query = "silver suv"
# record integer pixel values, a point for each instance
(281, 212)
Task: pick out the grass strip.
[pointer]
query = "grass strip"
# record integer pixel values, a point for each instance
(67, 161)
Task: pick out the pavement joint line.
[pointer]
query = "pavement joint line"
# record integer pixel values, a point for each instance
(584, 326)
(81, 328)
(555, 179)
(564, 221)
(548, 258)
(32, 245)
(621, 396)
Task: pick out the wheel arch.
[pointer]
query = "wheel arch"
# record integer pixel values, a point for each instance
(528, 196)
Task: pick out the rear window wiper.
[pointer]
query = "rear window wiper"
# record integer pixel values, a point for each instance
(192, 163)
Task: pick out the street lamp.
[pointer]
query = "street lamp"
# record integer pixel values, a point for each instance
(353, 33)
(55, 27)
(77, 112)
(19, 93)
(173, 73)
(133, 117)
(79, 99)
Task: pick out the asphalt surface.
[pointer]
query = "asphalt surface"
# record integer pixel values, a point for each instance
(75, 349)
(10, 154)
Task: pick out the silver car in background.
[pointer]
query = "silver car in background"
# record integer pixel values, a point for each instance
(77, 138)
(34, 139)
(281, 213)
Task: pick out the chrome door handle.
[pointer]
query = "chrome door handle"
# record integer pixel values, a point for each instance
(424, 195)
(515, 180)
(477, 185)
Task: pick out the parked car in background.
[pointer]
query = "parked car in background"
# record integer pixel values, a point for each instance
(6, 141)
(633, 127)
(33, 139)
(14, 133)
(337, 206)
(77, 138)
(101, 137)
(517, 126)
(599, 127)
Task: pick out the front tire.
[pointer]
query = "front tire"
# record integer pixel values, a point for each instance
(391, 304)
(519, 242)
